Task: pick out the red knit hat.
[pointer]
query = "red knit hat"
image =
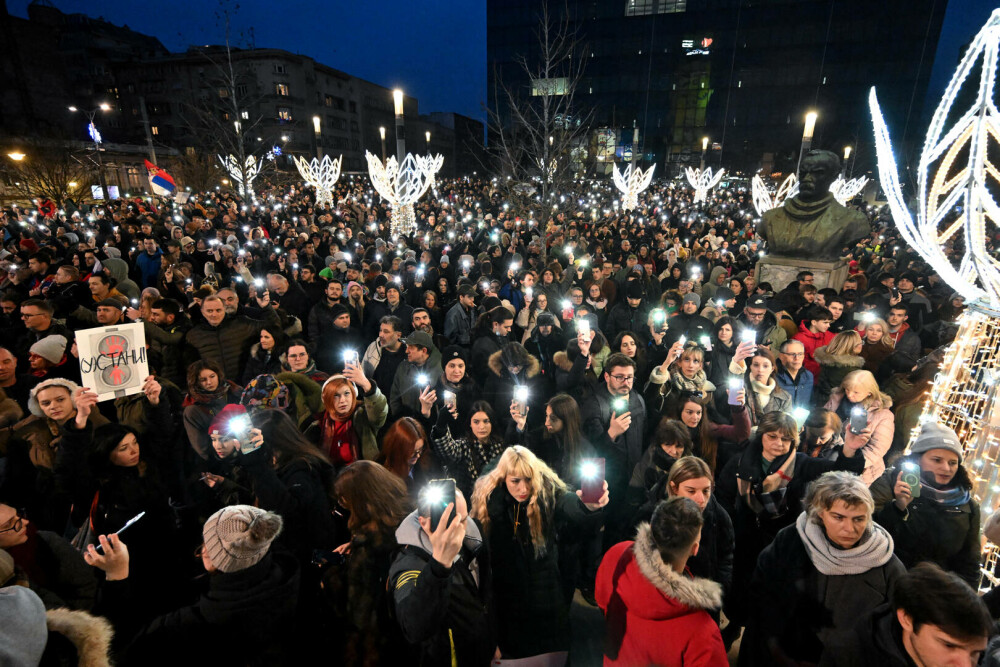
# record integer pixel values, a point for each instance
(220, 424)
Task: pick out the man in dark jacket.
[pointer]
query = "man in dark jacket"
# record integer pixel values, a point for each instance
(287, 293)
(440, 585)
(461, 318)
(227, 340)
(628, 315)
(933, 618)
(906, 349)
(615, 422)
(396, 307)
(165, 331)
(688, 322)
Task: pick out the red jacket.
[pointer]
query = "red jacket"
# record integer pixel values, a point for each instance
(655, 616)
(812, 341)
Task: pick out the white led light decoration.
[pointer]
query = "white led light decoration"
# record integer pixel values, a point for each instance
(956, 186)
(702, 181)
(843, 191)
(250, 170)
(550, 173)
(943, 185)
(402, 185)
(631, 182)
(322, 175)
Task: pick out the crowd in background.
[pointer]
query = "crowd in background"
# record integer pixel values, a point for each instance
(632, 420)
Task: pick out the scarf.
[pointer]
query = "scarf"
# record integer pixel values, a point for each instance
(874, 549)
(768, 498)
(339, 441)
(800, 211)
(763, 392)
(681, 383)
(956, 496)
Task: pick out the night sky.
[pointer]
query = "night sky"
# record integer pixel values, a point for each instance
(433, 49)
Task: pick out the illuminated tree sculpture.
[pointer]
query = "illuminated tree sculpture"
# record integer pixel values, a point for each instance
(842, 190)
(957, 187)
(321, 175)
(402, 185)
(242, 175)
(631, 182)
(702, 181)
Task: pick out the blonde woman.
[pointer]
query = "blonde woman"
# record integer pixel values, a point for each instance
(836, 360)
(860, 400)
(878, 344)
(518, 504)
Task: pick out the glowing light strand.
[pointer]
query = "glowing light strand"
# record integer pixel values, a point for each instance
(631, 182)
(940, 190)
(251, 167)
(843, 191)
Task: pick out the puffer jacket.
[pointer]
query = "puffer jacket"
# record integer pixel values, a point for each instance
(656, 616)
(812, 342)
(883, 425)
(833, 368)
(229, 343)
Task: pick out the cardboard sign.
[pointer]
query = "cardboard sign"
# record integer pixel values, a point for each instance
(113, 360)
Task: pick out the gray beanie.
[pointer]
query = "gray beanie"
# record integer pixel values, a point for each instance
(113, 253)
(691, 297)
(239, 536)
(936, 436)
(51, 348)
(24, 632)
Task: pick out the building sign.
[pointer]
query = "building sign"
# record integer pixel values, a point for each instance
(697, 47)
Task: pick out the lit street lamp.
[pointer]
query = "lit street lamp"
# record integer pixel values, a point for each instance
(807, 137)
(397, 99)
(381, 132)
(427, 136)
(95, 135)
(704, 147)
(319, 140)
(15, 156)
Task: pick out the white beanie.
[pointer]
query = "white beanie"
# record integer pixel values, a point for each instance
(51, 348)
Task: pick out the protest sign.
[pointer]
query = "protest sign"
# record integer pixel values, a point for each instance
(113, 360)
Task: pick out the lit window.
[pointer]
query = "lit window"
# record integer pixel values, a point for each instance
(284, 113)
(281, 89)
(544, 87)
(245, 115)
(155, 130)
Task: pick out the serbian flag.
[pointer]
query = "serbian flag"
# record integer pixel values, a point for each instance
(160, 181)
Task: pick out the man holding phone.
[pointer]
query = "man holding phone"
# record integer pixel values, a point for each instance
(616, 424)
(440, 583)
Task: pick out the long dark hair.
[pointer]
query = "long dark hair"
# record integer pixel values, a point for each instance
(566, 409)
(284, 440)
(195, 369)
(482, 406)
(106, 440)
(484, 325)
(377, 498)
(705, 446)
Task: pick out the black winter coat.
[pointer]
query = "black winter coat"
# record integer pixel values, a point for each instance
(929, 531)
(229, 343)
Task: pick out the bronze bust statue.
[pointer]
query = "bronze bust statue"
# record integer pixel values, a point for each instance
(813, 225)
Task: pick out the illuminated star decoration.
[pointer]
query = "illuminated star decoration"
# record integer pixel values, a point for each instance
(956, 186)
(631, 182)
(320, 174)
(843, 191)
(250, 170)
(402, 185)
(703, 181)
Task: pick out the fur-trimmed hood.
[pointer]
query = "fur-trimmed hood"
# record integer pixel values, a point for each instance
(680, 594)
(532, 369)
(91, 635)
(824, 358)
(561, 360)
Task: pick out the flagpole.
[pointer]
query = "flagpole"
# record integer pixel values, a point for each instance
(149, 134)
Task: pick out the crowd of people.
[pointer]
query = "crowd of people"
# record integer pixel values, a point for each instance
(342, 427)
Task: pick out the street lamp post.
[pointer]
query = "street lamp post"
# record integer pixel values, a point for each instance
(807, 137)
(847, 154)
(704, 147)
(95, 135)
(427, 137)
(319, 138)
(397, 99)
(381, 132)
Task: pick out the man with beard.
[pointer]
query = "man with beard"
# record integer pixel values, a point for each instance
(385, 353)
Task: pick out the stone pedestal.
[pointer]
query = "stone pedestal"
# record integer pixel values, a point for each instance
(779, 271)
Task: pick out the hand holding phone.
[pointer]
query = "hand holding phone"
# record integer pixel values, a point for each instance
(440, 493)
(592, 471)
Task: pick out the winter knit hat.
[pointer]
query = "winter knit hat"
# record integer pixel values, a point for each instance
(33, 406)
(454, 352)
(691, 297)
(238, 537)
(24, 633)
(220, 423)
(936, 436)
(51, 348)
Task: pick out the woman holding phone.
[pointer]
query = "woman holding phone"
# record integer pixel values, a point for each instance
(925, 503)
(466, 457)
(519, 503)
(865, 411)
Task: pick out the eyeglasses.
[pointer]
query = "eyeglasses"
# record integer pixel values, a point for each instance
(794, 355)
(25, 315)
(753, 315)
(200, 550)
(18, 523)
(418, 452)
(627, 379)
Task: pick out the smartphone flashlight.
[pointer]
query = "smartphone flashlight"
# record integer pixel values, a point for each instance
(588, 470)
(422, 379)
(521, 394)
